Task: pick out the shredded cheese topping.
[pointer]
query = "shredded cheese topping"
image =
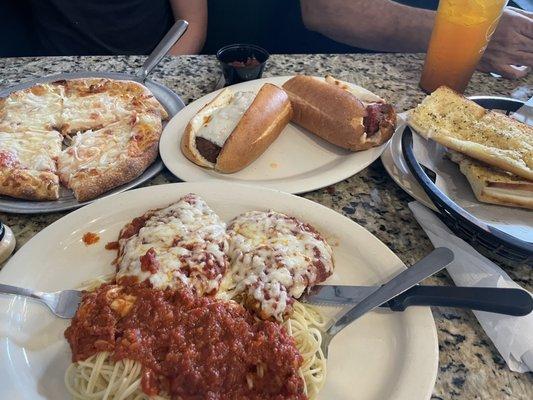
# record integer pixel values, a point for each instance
(223, 120)
(189, 241)
(30, 121)
(34, 150)
(95, 110)
(274, 258)
(95, 149)
(37, 108)
(101, 149)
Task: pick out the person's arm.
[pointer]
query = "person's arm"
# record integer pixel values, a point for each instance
(380, 25)
(195, 12)
(384, 25)
(511, 44)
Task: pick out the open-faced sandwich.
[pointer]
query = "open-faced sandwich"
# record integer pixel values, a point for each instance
(494, 151)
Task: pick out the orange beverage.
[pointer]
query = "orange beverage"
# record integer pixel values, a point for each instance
(460, 36)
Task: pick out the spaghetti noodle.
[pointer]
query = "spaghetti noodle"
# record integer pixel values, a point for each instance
(175, 322)
(101, 376)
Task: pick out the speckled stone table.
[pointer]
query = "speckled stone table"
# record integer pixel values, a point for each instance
(469, 366)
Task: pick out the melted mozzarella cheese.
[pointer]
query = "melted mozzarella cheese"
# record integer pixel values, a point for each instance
(93, 111)
(35, 150)
(223, 120)
(101, 149)
(274, 258)
(189, 241)
(38, 108)
(95, 149)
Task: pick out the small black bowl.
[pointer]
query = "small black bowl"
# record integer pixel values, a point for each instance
(242, 62)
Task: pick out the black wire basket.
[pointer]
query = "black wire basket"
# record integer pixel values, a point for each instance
(486, 238)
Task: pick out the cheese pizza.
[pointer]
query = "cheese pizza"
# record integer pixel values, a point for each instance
(110, 129)
(97, 161)
(27, 164)
(95, 103)
(38, 107)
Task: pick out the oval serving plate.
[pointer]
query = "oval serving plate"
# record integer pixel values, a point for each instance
(297, 162)
(383, 355)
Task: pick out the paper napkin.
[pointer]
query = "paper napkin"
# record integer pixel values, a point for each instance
(512, 336)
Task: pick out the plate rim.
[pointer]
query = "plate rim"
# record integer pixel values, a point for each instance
(13, 205)
(389, 159)
(428, 337)
(168, 150)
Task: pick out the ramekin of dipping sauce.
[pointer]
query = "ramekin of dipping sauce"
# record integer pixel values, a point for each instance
(242, 62)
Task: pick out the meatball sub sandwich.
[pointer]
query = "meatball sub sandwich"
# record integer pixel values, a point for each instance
(343, 114)
(236, 127)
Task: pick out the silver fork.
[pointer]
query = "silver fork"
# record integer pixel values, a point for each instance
(429, 265)
(63, 303)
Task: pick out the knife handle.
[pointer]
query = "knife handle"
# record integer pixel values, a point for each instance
(515, 302)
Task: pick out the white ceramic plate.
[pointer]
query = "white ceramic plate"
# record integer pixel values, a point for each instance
(296, 162)
(383, 355)
(397, 168)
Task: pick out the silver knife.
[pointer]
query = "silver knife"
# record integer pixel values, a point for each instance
(429, 265)
(499, 300)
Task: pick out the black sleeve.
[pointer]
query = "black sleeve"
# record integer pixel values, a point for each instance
(17, 37)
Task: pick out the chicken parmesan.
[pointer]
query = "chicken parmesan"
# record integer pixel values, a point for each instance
(176, 322)
(110, 130)
(184, 244)
(274, 259)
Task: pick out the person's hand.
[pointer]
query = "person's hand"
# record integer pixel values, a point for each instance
(511, 45)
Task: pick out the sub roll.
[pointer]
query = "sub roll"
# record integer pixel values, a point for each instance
(235, 128)
(345, 115)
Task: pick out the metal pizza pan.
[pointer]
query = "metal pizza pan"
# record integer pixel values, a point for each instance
(170, 101)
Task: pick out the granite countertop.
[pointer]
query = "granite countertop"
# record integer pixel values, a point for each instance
(469, 365)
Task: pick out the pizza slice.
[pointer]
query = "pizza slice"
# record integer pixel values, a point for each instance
(100, 160)
(27, 164)
(136, 96)
(93, 103)
(35, 108)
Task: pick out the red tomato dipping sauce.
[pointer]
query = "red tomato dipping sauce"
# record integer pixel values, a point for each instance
(90, 238)
(190, 347)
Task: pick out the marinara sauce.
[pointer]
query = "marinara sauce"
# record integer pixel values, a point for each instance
(90, 238)
(190, 347)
